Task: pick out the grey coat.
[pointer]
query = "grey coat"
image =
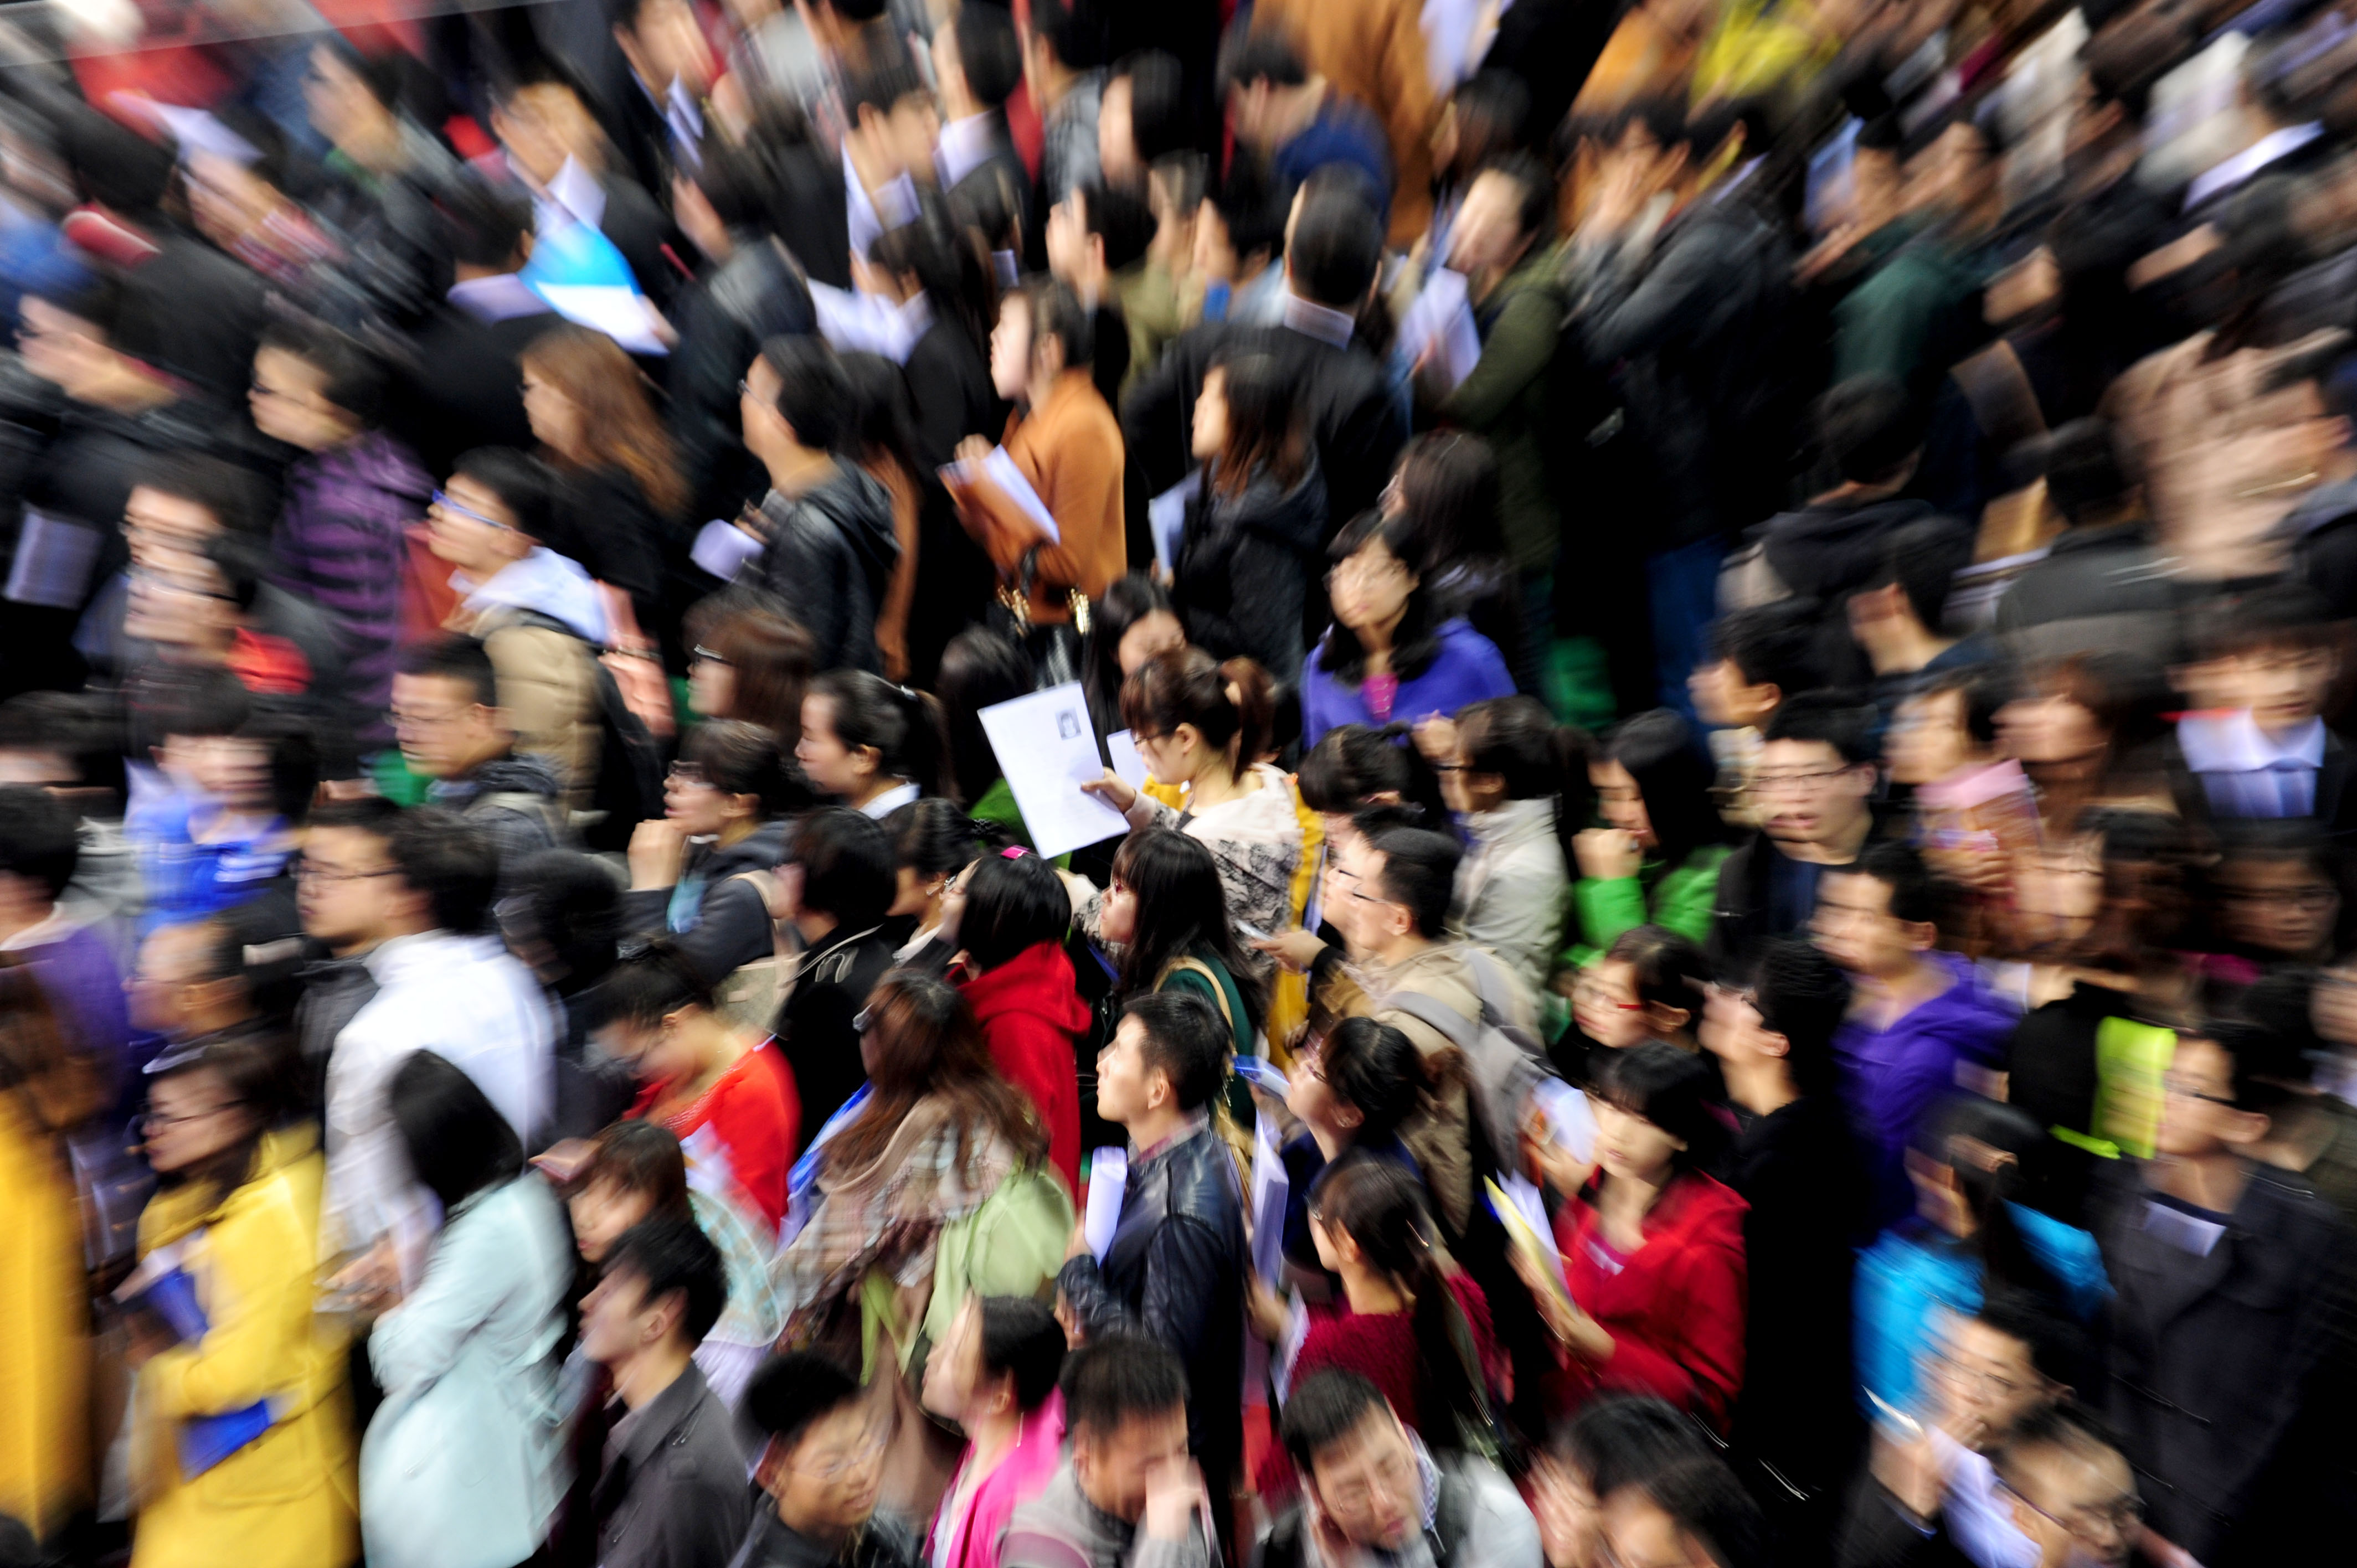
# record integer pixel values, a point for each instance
(673, 1493)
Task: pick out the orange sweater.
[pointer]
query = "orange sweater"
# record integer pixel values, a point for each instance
(1069, 449)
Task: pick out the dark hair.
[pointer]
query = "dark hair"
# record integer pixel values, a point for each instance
(813, 394)
(1802, 995)
(255, 1071)
(1120, 1378)
(1990, 1186)
(2057, 1350)
(1183, 911)
(1419, 871)
(352, 378)
(454, 658)
(1491, 109)
(1265, 431)
(904, 726)
(953, 273)
(1534, 213)
(767, 649)
(933, 837)
(2268, 1065)
(1249, 55)
(1415, 642)
(1057, 312)
(1118, 219)
(230, 496)
(741, 759)
(1159, 111)
(1249, 210)
(1916, 897)
(568, 902)
(1984, 691)
(980, 669)
(641, 1156)
(374, 815)
(1657, 1082)
(1377, 1072)
(1770, 644)
(1130, 599)
(1923, 558)
(1448, 483)
(40, 838)
(989, 53)
(1867, 429)
(484, 227)
(1658, 752)
(1022, 1339)
(1337, 247)
(450, 860)
(1712, 1509)
(1828, 718)
(82, 729)
(241, 562)
(793, 1391)
(1182, 686)
(1186, 1041)
(652, 983)
(523, 485)
(883, 422)
(670, 1254)
(1352, 764)
(1669, 968)
(1620, 1439)
(848, 869)
(1073, 29)
(1517, 739)
(1013, 903)
(1268, 716)
(195, 701)
(458, 1143)
(2085, 479)
(890, 76)
(1325, 1408)
(2274, 616)
(2064, 1424)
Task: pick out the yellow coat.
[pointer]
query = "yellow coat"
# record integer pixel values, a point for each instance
(44, 1468)
(286, 1500)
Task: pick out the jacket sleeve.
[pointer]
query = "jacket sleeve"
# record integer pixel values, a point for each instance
(1519, 916)
(261, 1277)
(1265, 604)
(1518, 351)
(1156, 410)
(467, 1280)
(1654, 311)
(812, 580)
(1686, 899)
(1878, 1533)
(1609, 905)
(1081, 490)
(732, 926)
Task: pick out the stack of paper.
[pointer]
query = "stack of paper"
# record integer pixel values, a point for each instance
(1440, 324)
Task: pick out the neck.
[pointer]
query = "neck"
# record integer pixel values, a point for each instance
(796, 471)
(1839, 850)
(124, 390)
(1369, 1291)
(394, 929)
(647, 1374)
(1399, 949)
(467, 272)
(1043, 388)
(1633, 1196)
(877, 784)
(1761, 1085)
(1297, 109)
(1217, 783)
(378, 148)
(1056, 79)
(1906, 648)
(1902, 991)
(1376, 635)
(815, 926)
(715, 1051)
(1157, 1126)
(992, 1431)
(2214, 1181)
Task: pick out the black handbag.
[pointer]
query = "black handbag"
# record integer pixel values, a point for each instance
(1053, 651)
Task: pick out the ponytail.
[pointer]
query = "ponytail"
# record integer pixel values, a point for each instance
(906, 728)
(1255, 700)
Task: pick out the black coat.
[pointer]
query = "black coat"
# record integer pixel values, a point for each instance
(1828, 553)
(814, 1027)
(951, 391)
(732, 926)
(465, 389)
(1245, 566)
(2050, 1074)
(194, 312)
(604, 521)
(831, 551)
(639, 229)
(722, 319)
(2097, 589)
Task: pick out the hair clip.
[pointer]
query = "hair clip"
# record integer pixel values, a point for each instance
(1013, 852)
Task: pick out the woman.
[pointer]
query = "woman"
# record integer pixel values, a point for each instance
(1188, 731)
(980, 669)
(932, 844)
(460, 1468)
(1388, 652)
(1657, 862)
(2278, 891)
(874, 746)
(253, 1391)
(1167, 912)
(2080, 729)
(1011, 933)
(699, 1076)
(1351, 1091)
(702, 872)
(1517, 781)
(619, 493)
(996, 1377)
(1447, 484)
(884, 445)
(1130, 624)
(1653, 1247)
(1616, 1440)
(1243, 563)
(747, 660)
(1647, 985)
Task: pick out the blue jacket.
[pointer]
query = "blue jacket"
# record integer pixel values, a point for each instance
(1469, 668)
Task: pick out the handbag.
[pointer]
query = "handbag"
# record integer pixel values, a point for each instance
(1053, 651)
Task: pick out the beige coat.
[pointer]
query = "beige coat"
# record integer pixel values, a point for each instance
(548, 689)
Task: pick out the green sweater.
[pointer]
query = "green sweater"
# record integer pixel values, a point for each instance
(1679, 900)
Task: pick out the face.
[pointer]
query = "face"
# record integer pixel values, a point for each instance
(618, 1321)
(555, 418)
(601, 1212)
(180, 601)
(191, 1117)
(1148, 635)
(1984, 1383)
(1127, 1089)
(1370, 588)
(341, 107)
(170, 961)
(829, 764)
(1930, 740)
(288, 398)
(826, 1483)
(442, 729)
(224, 768)
(711, 684)
(531, 133)
(1854, 927)
(1117, 912)
(1010, 348)
(1629, 1146)
(955, 1382)
(1117, 136)
(1638, 1533)
(1489, 232)
(2283, 687)
(1069, 250)
(2285, 906)
(1732, 1028)
(1115, 1468)
(2197, 1108)
(2044, 730)
(472, 529)
(1723, 699)
(344, 885)
(668, 46)
(1312, 1099)
(1621, 801)
(1368, 1483)
(1570, 1524)
(697, 806)
(1605, 1002)
(1212, 417)
(62, 350)
(158, 526)
(1806, 793)
(225, 199)
(1173, 757)
(2081, 1507)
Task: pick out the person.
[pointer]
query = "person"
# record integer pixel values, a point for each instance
(1645, 986)
(995, 1376)
(1899, 616)
(467, 391)
(1097, 236)
(454, 730)
(1653, 1245)
(1134, 620)
(748, 658)
(1130, 1488)
(1921, 1022)
(341, 540)
(1659, 860)
(345, 853)
(697, 1075)
(2210, 1394)
(1064, 442)
(703, 872)
(1298, 123)
(874, 746)
(441, 985)
(2265, 664)
(827, 524)
(1166, 909)
(2081, 728)
(1447, 481)
(845, 859)
(980, 669)
(672, 1489)
(1385, 655)
(70, 960)
(2278, 886)
(819, 1466)
(1242, 570)
(1063, 52)
(461, 1462)
(2098, 585)
(1611, 1442)
(1364, 1489)
(1694, 1511)
(1352, 1090)
(230, 1172)
(1021, 989)
(1174, 1267)
(978, 63)
(1812, 786)
(882, 441)
(1188, 731)
(1513, 780)
(658, 121)
(555, 149)
(1794, 1164)
(1752, 659)
(932, 844)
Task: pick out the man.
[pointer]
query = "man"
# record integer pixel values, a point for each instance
(1374, 51)
(658, 121)
(1810, 787)
(845, 862)
(1795, 1165)
(1692, 1513)
(1371, 1492)
(557, 150)
(671, 1491)
(465, 388)
(1752, 660)
(820, 1467)
(447, 712)
(830, 548)
(1897, 617)
(1097, 239)
(1063, 59)
(2101, 585)
(346, 850)
(1127, 1495)
(2257, 747)
(1298, 123)
(978, 61)
(1923, 1023)
(2073, 1493)
(190, 986)
(1174, 1268)
(443, 985)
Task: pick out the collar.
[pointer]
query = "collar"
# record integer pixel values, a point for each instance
(1323, 322)
(502, 296)
(892, 799)
(577, 190)
(2231, 743)
(1513, 819)
(2247, 163)
(652, 1423)
(965, 145)
(1199, 1122)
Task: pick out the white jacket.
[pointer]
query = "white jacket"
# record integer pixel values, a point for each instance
(1513, 890)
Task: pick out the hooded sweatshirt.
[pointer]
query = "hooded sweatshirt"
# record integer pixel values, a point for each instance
(1243, 570)
(1030, 1010)
(831, 551)
(542, 623)
(518, 799)
(1829, 551)
(715, 914)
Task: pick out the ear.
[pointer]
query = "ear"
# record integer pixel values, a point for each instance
(1349, 1115)
(1665, 1019)
(1775, 1045)
(866, 756)
(770, 1469)
(2246, 1127)
(1181, 734)
(1923, 935)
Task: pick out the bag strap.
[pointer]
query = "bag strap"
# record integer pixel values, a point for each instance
(1197, 966)
(1440, 1016)
(1451, 1518)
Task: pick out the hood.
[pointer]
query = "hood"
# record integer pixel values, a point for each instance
(1821, 551)
(1968, 1013)
(1293, 518)
(516, 774)
(760, 850)
(859, 506)
(1038, 981)
(547, 583)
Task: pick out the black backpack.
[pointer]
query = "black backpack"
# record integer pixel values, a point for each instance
(630, 761)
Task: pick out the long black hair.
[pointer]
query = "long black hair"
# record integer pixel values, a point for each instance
(980, 669)
(1672, 1089)
(458, 1143)
(1415, 642)
(1998, 1156)
(1129, 600)
(952, 270)
(1014, 902)
(1673, 779)
(904, 726)
(1351, 764)
(1183, 911)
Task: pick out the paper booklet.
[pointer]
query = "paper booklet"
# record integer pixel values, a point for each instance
(1000, 470)
(1518, 1208)
(1047, 750)
(162, 1289)
(1108, 1180)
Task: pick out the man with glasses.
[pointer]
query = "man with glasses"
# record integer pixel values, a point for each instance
(452, 729)
(1372, 1493)
(821, 1466)
(2071, 1492)
(1811, 792)
(1127, 1493)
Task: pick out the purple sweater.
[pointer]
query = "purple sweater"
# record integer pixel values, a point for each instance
(341, 545)
(1468, 669)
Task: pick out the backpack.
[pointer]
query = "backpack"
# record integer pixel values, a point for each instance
(630, 787)
(750, 997)
(1502, 1057)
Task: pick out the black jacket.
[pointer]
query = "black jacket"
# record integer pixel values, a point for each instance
(672, 1494)
(1877, 1531)
(1741, 913)
(814, 1027)
(464, 390)
(1828, 553)
(1175, 1274)
(194, 312)
(730, 927)
(1246, 566)
(604, 521)
(2334, 802)
(950, 389)
(2050, 1074)
(518, 801)
(2097, 589)
(640, 231)
(722, 319)
(830, 553)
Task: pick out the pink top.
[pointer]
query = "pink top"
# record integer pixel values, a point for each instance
(965, 1534)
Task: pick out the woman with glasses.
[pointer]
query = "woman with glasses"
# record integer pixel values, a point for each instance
(748, 658)
(2277, 887)
(1388, 654)
(240, 1447)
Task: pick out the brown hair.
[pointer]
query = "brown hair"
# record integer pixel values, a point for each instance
(772, 655)
(639, 1156)
(1256, 708)
(1263, 427)
(1181, 686)
(618, 422)
(927, 1046)
(254, 1076)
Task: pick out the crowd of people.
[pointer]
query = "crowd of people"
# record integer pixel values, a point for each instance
(1717, 630)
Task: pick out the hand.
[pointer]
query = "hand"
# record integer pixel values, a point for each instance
(1297, 950)
(973, 449)
(1607, 853)
(372, 1285)
(1562, 1321)
(1557, 1165)
(1266, 1311)
(1909, 1471)
(1437, 737)
(869, 145)
(893, 647)
(1114, 791)
(1070, 1321)
(1174, 1489)
(657, 847)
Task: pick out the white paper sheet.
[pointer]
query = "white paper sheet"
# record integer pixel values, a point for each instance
(722, 547)
(1046, 751)
(1288, 1349)
(1441, 321)
(1270, 1188)
(621, 314)
(1127, 761)
(1000, 470)
(1108, 1179)
(1571, 1120)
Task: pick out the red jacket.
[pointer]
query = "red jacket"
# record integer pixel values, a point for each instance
(756, 1113)
(1029, 1008)
(1674, 1308)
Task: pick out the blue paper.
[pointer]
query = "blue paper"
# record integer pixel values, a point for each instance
(1263, 1074)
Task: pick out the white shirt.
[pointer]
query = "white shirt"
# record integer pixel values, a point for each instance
(964, 145)
(499, 297)
(2245, 772)
(870, 217)
(2243, 164)
(1979, 1523)
(1323, 322)
(576, 192)
(901, 794)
